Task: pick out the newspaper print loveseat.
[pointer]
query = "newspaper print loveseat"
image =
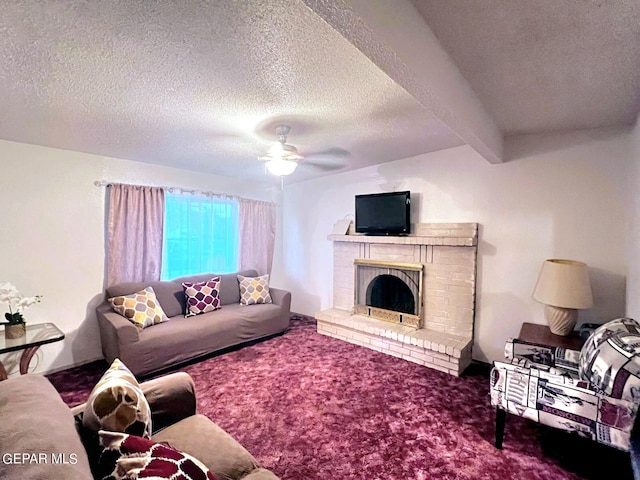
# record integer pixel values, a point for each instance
(594, 392)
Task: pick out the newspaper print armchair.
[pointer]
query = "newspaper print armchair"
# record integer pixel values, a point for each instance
(594, 392)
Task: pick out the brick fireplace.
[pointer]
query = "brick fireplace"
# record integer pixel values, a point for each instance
(411, 297)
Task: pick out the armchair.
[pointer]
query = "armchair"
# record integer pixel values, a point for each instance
(594, 392)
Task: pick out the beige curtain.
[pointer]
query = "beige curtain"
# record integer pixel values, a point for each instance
(134, 234)
(257, 235)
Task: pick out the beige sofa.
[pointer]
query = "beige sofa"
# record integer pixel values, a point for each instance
(34, 421)
(169, 343)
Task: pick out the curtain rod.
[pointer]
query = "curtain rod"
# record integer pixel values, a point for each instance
(104, 183)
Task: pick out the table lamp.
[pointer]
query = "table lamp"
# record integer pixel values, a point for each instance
(563, 287)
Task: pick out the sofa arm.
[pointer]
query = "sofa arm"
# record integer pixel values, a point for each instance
(171, 398)
(524, 379)
(542, 356)
(554, 375)
(261, 474)
(115, 331)
(281, 297)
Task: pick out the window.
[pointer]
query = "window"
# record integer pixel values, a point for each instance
(200, 235)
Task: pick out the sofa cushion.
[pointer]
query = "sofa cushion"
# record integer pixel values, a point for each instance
(202, 334)
(610, 359)
(130, 457)
(36, 421)
(141, 308)
(254, 290)
(228, 460)
(202, 297)
(257, 321)
(117, 404)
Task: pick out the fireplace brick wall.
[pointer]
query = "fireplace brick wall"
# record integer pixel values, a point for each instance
(450, 283)
(343, 276)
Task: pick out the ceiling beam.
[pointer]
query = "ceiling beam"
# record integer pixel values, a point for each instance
(395, 37)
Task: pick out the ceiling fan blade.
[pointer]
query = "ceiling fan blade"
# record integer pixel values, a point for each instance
(333, 152)
(327, 160)
(323, 165)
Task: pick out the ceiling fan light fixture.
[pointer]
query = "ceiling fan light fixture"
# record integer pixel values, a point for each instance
(281, 166)
(281, 158)
(275, 150)
(283, 150)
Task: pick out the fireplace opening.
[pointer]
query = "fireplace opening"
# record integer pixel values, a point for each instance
(391, 293)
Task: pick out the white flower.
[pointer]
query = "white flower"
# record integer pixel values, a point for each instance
(25, 302)
(8, 293)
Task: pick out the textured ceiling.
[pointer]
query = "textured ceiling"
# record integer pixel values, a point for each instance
(545, 65)
(200, 85)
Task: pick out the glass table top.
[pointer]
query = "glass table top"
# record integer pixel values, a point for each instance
(37, 334)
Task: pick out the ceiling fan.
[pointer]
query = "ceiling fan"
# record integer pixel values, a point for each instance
(283, 159)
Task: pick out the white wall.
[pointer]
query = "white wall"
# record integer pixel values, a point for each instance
(52, 235)
(633, 280)
(563, 197)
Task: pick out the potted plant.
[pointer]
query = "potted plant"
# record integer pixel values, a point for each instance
(15, 323)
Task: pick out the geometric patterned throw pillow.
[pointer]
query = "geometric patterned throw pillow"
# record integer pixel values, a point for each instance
(130, 457)
(141, 308)
(610, 359)
(118, 404)
(254, 290)
(202, 297)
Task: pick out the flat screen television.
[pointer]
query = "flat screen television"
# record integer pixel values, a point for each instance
(383, 213)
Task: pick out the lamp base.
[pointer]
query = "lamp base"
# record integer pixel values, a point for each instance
(561, 320)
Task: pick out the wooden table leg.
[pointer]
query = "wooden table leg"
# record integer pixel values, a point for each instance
(25, 359)
(501, 418)
(3, 372)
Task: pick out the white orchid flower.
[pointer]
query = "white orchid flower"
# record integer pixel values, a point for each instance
(25, 302)
(8, 293)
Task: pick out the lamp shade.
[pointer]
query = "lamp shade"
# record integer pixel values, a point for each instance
(564, 283)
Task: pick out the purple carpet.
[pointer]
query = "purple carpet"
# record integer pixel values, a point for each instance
(313, 407)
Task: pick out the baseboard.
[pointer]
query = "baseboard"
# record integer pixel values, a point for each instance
(301, 315)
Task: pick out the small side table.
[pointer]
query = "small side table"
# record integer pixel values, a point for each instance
(541, 334)
(37, 334)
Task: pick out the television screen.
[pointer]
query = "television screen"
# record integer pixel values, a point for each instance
(383, 213)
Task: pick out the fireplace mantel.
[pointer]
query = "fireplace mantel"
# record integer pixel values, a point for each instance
(445, 234)
(448, 253)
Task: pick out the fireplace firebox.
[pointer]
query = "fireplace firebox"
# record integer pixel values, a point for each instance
(389, 291)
